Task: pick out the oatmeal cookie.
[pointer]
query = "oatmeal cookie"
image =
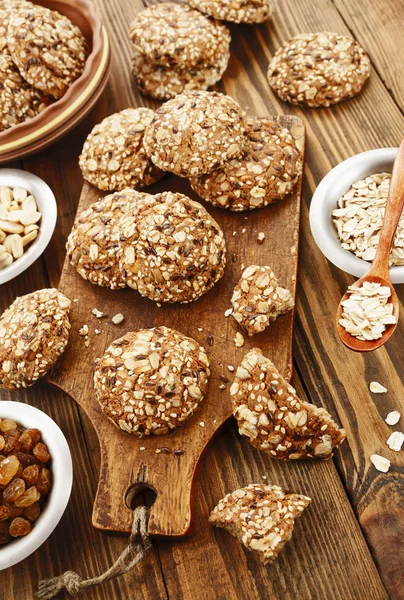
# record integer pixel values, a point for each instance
(318, 69)
(274, 419)
(113, 156)
(164, 83)
(151, 381)
(174, 250)
(34, 332)
(237, 11)
(178, 36)
(261, 517)
(94, 242)
(48, 49)
(258, 299)
(195, 132)
(19, 101)
(266, 171)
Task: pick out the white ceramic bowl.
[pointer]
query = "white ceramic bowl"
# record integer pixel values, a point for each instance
(332, 187)
(62, 477)
(47, 207)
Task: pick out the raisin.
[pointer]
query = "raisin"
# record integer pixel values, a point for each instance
(11, 438)
(14, 490)
(2, 442)
(4, 513)
(30, 474)
(19, 527)
(8, 424)
(29, 439)
(30, 496)
(32, 512)
(15, 511)
(26, 459)
(40, 451)
(8, 468)
(4, 535)
(44, 482)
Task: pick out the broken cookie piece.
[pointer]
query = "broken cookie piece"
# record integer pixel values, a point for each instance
(261, 517)
(258, 299)
(274, 419)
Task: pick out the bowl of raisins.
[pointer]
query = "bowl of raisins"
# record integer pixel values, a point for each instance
(36, 477)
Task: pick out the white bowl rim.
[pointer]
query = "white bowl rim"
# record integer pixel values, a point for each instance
(46, 203)
(322, 228)
(62, 475)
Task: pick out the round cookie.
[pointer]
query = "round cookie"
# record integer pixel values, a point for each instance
(113, 156)
(19, 101)
(318, 69)
(174, 35)
(151, 381)
(175, 251)
(95, 239)
(34, 332)
(237, 11)
(266, 171)
(195, 132)
(48, 49)
(164, 83)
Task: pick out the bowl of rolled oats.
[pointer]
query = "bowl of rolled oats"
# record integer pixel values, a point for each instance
(28, 214)
(347, 211)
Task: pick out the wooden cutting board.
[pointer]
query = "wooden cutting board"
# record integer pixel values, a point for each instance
(130, 464)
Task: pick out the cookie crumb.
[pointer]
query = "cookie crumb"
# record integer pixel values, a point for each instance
(117, 319)
(380, 463)
(260, 237)
(202, 424)
(97, 313)
(97, 331)
(83, 331)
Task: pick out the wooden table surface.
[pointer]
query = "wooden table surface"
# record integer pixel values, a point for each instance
(349, 544)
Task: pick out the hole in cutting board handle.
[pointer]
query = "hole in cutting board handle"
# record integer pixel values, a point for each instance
(140, 494)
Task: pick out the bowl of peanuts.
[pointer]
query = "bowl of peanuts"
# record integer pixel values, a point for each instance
(36, 477)
(28, 214)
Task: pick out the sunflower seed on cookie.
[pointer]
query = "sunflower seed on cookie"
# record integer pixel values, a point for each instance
(151, 381)
(236, 11)
(178, 36)
(272, 417)
(48, 49)
(164, 83)
(258, 299)
(173, 251)
(34, 332)
(195, 132)
(318, 69)
(261, 517)
(266, 171)
(113, 156)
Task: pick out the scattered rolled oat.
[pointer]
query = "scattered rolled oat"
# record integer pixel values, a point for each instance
(367, 311)
(230, 368)
(239, 340)
(260, 237)
(273, 418)
(393, 417)
(258, 299)
(376, 388)
(318, 69)
(202, 424)
(396, 441)
(98, 313)
(261, 517)
(151, 381)
(117, 319)
(237, 11)
(83, 331)
(34, 332)
(228, 312)
(380, 463)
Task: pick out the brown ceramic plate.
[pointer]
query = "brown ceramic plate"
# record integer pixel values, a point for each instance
(59, 118)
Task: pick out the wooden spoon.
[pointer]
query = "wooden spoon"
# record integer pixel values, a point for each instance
(379, 271)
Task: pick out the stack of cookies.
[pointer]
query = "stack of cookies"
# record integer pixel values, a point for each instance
(41, 54)
(176, 48)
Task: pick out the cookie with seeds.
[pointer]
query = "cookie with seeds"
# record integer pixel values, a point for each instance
(151, 381)
(237, 11)
(164, 83)
(266, 171)
(195, 132)
(34, 332)
(272, 417)
(96, 237)
(173, 35)
(258, 299)
(261, 517)
(318, 69)
(19, 101)
(174, 251)
(113, 156)
(48, 49)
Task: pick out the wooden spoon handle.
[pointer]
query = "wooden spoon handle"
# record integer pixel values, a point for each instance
(394, 209)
